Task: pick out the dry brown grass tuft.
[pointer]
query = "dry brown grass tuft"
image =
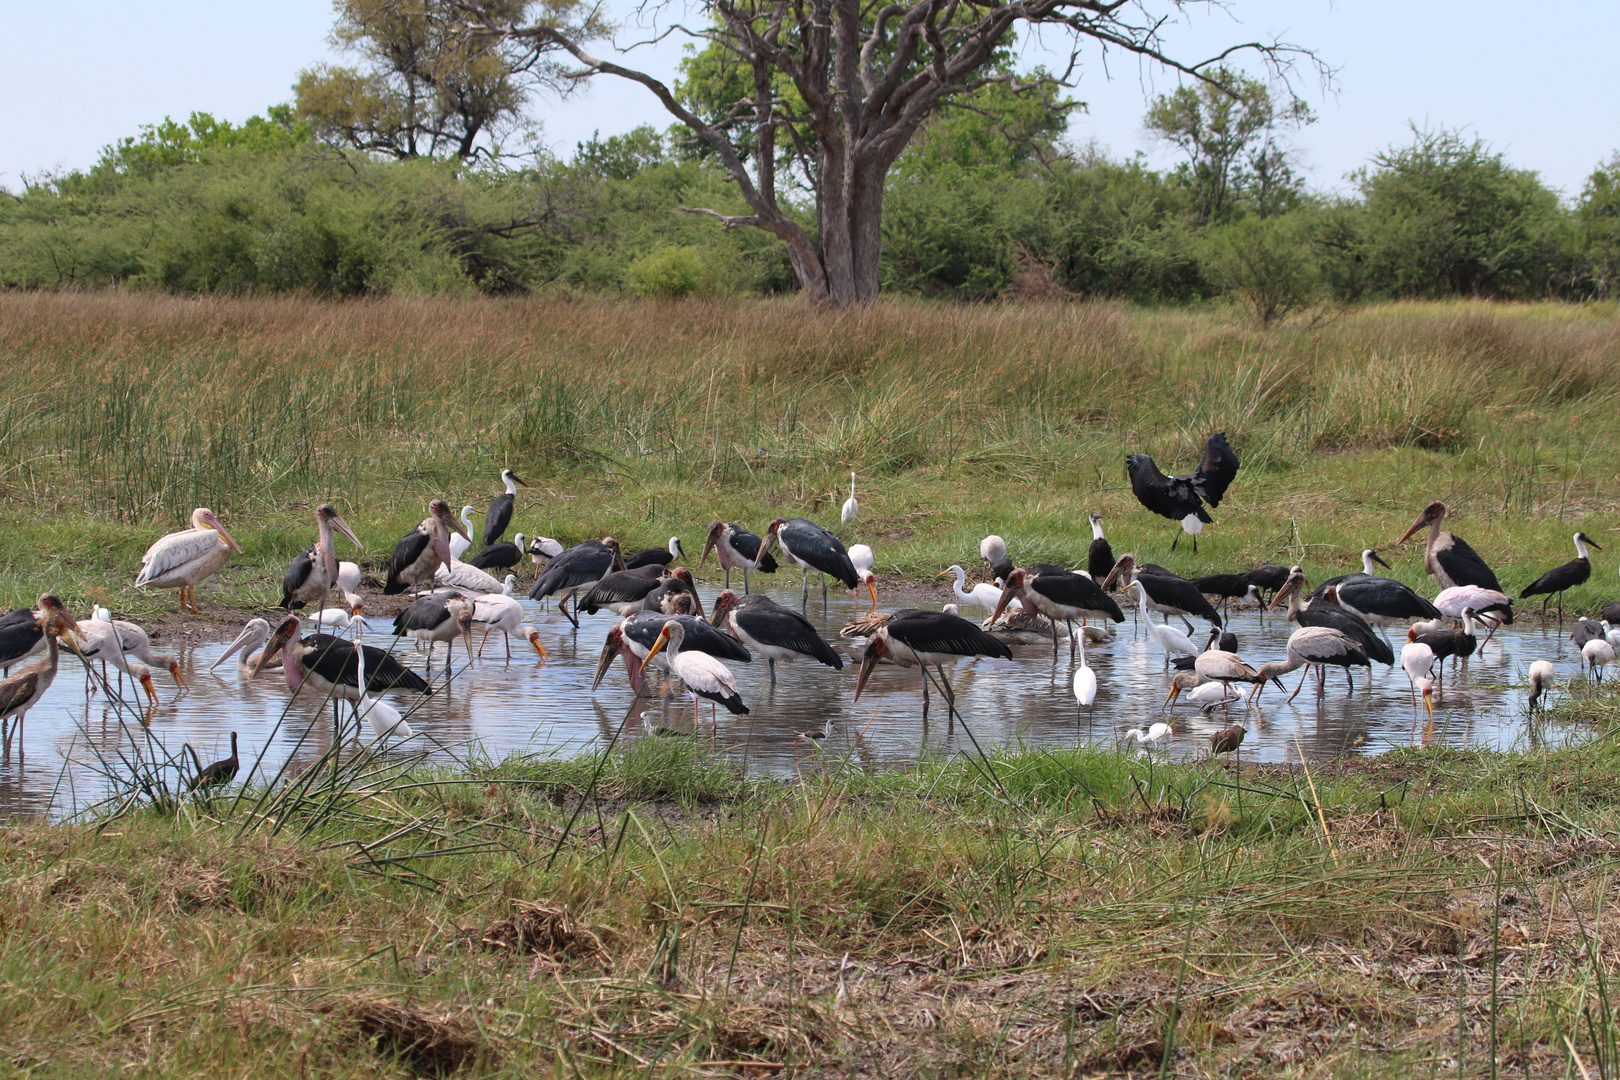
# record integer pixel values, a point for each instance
(550, 931)
(432, 1043)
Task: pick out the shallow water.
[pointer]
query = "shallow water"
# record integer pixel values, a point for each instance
(501, 706)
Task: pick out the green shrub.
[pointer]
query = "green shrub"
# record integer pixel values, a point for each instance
(668, 273)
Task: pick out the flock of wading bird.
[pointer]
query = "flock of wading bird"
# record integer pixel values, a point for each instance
(662, 620)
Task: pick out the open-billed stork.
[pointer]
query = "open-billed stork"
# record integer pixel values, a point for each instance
(1166, 593)
(439, 616)
(499, 515)
(737, 548)
(419, 553)
(851, 506)
(702, 674)
(311, 576)
(771, 630)
(1182, 498)
(1063, 598)
(1100, 556)
(808, 545)
(1446, 556)
(580, 567)
(1320, 647)
(1325, 612)
(1555, 581)
(180, 560)
(22, 691)
(501, 555)
(656, 556)
(926, 638)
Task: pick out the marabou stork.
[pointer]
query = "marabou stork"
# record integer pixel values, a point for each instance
(703, 675)
(311, 576)
(1325, 612)
(20, 636)
(1380, 601)
(1268, 577)
(249, 643)
(1062, 598)
(419, 554)
(502, 555)
(1172, 641)
(771, 630)
(22, 691)
(1543, 677)
(500, 508)
(438, 617)
(1166, 594)
(808, 545)
(1447, 557)
(656, 556)
(1320, 647)
(671, 589)
(217, 773)
(180, 560)
(982, 595)
(1555, 581)
(925, 638)
(736, 547)
(331, 665)
(580, 567)
(1100, 556)
(1182, 498)
(851, 506)
(623, 592)
(633, 639)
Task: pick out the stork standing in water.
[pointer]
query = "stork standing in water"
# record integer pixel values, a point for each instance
(1446, 556)
(1063, 598)
(927, 638)
(420, 554)
(1100, 556)
(1555, 581)
(580, 567)
(331, 665)
(851, 506)
(702, 674)
(1325, 612)
(1378, 601)
(311, 576)
(863, 558)
(1182, 498)
(737, 548)
(500, 508)
(438, 617)
(808, 545)
(1166, 593)
(1543, 677)
(22, 691)
(180, 560)
(771, 630)
(634, 637)
(1318, 647)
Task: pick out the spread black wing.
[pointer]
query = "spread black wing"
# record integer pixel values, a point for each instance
(1217, 471)
(1169, 497)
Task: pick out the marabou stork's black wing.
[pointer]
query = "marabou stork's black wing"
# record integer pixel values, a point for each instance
(1559, 578)
(1228, 585)
(769, 623)
(501, 556)
(942, 632)
(1217, 471)
(1611, 612)
(643, 627)
(1073, 590)
(747, 544)
(15, 691)
(579, 565)
(293, 580)
(1268, 576)
(1340, 580)
(648, 557)
(333, 659)
(19, 633)
(821, 550)
(1047, 568)
(623, 587)
(1179, 593)
(1386, 597)
(1464, 566)
(1100, 559)
(1351, 626)
(1167, 497)
(425, 613)
(406, 552)
(498, 518)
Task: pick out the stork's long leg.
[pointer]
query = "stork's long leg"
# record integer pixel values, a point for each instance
(945, 686)
(823, 589)
(772, 663)
(1174, 542)
(1070, 623)
(925, 691)
(804, 601)
(1302, 677)
(1054, 641)
(1188, 624)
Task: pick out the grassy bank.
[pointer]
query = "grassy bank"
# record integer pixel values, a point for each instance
(643, 420)
(652, 913)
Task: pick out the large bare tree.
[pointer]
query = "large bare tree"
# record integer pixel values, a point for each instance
(838, 88)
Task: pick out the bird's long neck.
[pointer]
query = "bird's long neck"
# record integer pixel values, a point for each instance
(289, 664)
(852, 485)
(1367, 564)
(1096, 531)
(1278, 668)
(511, 487)
(1580, 547)
(1296, 603)
(327, 550)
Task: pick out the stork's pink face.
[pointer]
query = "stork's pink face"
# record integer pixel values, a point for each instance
(1434, 512)
(716, 529)
(723, 604)
(1015, 584)
(1122, 568)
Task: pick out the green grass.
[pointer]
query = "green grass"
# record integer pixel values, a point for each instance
(643, 420)
(651, 912)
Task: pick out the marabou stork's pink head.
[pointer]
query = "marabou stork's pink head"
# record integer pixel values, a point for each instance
(282, 640)
(723, 605)
(876, 650)
(613, 646)
(1432, 514)
(1122, 568)
(1014, 586)
(716, 530)
(1295, 582)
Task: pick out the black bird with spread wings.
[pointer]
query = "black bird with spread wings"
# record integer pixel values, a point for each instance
(1182, 498)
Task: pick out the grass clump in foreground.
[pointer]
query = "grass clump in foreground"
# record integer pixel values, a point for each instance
(651, 912)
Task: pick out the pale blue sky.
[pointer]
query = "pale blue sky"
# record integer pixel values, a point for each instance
(1536, 80)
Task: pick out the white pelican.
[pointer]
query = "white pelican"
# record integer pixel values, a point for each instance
(851, 507)
(466, 577)
(180, 560)
(248, 643)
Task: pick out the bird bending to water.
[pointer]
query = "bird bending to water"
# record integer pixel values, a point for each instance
(929, 638)
(183, 559)
(1543, 677)
(1182, 498)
